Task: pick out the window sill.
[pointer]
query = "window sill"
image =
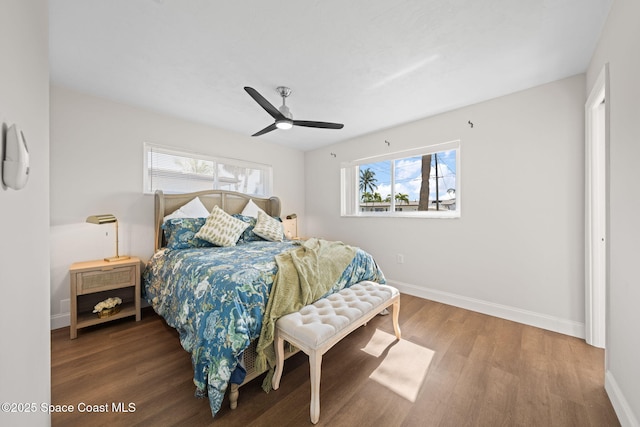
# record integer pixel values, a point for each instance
(431, 214)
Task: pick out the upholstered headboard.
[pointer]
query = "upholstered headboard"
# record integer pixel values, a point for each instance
(229, 201)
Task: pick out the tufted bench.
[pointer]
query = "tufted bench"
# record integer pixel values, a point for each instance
(319, 326)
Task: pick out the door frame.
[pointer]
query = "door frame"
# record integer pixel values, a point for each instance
(596, 207)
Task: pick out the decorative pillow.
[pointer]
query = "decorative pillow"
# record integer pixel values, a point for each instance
(268, 228)
(248, 235)
(180, 233)
(251, 209)
(221, 229)
(193, 209)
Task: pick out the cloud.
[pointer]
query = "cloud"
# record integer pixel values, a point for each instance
(408, 176)
(408, 169)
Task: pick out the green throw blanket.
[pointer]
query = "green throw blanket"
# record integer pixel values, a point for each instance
(304, 275)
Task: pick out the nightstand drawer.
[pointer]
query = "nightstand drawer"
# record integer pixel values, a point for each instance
(105, 279)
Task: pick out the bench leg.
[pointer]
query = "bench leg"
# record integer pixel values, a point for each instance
(396, 314)
(315, 364)
(279, 344)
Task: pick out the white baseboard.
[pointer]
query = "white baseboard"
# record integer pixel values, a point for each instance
(544, 321)
(60, 320)
(526, 317)
(620, 404)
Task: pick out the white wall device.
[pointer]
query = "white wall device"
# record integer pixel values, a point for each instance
(15, 167)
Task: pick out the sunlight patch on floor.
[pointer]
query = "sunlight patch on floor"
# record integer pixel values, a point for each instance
(404, 365)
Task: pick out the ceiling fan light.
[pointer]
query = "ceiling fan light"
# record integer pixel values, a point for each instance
(284, 124)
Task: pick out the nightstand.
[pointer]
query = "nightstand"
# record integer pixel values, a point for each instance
(95, 281)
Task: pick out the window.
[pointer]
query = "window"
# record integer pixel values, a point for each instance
(175, 171)
(421, 182)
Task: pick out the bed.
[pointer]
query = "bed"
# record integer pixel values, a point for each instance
(216, 297)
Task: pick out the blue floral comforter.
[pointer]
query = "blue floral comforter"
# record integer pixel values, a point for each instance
(215, 298)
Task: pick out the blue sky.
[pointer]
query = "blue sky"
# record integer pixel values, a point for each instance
(408, 175)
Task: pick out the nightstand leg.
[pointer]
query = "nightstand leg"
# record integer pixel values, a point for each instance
(73, 328)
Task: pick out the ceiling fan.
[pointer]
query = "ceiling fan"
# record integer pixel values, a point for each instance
(282, 115)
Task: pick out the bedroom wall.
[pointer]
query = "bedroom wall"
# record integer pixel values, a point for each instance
(618, 46)
(24, 217)
(96, 167)
(517, 250)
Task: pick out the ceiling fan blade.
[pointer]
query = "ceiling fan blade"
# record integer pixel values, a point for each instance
(324, 125)
(268, 107)
(265, 130)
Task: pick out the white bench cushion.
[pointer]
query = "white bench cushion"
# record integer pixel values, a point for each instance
(323, 320)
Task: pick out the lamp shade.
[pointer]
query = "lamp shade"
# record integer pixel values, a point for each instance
(292, 222)
(108, 219)
(102, 219)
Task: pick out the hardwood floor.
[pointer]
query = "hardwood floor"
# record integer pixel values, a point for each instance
(453, 367)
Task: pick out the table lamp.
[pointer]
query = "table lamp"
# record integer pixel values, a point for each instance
(108, 219)
(293, 217)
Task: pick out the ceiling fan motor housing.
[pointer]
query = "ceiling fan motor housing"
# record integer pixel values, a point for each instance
(284, 92)
(285, 112)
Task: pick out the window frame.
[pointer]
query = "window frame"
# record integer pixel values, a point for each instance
(147, 185)
(350, 180)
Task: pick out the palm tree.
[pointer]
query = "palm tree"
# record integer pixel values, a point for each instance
(371, 197)
(402, 197)
(368, 181)
(367, 197)
(423, 203)
(368, 184)
(197, 166)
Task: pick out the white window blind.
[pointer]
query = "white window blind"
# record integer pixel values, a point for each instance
(176, 171)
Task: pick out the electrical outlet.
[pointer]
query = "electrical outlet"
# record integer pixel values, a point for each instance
(400, 259)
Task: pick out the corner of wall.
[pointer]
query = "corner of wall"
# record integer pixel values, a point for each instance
(620, 405)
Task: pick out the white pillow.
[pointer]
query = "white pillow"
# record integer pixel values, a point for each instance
(193, 209)
(268, 228)
(251, 209)
(221, 229)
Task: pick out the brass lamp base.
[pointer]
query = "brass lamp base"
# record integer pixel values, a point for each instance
(117, 258)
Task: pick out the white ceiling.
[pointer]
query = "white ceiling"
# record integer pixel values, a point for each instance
(369, 64)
